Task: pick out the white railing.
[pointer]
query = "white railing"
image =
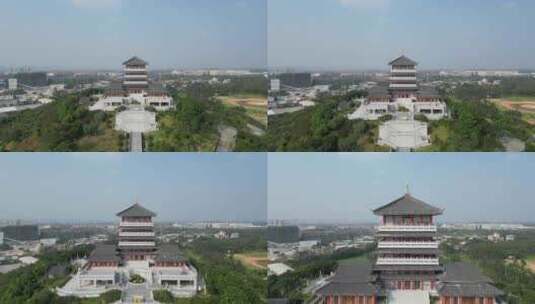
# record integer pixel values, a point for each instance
(136, 224)
(407, 261)
(396, 78)
(407, 228)
(135, 82)
(401, 85)
(400, 71)
(150, 244)
(383, 244)
(151, 234)
(135, 69)
(136, 76)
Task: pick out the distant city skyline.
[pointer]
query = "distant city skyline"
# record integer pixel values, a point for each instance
(93, 187)
(101, 34)
(344, 187)
(367, 34)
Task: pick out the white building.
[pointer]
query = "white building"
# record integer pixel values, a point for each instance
(111, 266)
(12, 84)
(275, 85)
(402, 96)
(135, 89)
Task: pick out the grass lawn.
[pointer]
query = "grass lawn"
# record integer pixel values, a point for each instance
(108, 141)
(354, 259)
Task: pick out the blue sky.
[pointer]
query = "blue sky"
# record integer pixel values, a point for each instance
(366, 34)
(95, 186)
(101, 34)
(346, 187)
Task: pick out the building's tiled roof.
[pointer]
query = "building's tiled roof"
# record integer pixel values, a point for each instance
(407, 268)
(169, 253)
(403, 60)
(465, 279)
(352, 278)
(115, 88)
(378, 91)
(407, 205)
(136, 210)
(104, 253)
(135, 61)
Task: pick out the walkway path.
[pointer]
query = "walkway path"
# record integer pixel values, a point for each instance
(227, 138)
(136, 142)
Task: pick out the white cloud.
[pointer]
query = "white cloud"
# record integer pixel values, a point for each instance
(99, 4)
(365, 4)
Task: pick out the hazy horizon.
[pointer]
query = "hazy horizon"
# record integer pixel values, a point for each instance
(93, 187)
(471, 187)
(367, 34)
(101, 34)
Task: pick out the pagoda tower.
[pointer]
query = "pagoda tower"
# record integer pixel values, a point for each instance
(407, 245)
(136, 234)
(403, 82)
(136, 79)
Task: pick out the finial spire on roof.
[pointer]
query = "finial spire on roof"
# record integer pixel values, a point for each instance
(407, 190)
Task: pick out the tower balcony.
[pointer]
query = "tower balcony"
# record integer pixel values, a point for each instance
(135, 69)
(140, 234)
(141, 76)
(133, 244)
(407, 228)
(402, 71)
(403, 78)
(136, 224)
(403, 86)
(128, 82)
(407, 261)
(387, 244)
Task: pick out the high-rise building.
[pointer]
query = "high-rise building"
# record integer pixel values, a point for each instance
(12, 84)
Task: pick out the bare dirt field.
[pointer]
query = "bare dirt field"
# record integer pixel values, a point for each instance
(524, 106)
(256, 106)
(253, 260)
(530, 263)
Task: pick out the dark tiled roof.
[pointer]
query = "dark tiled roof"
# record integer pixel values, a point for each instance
(407, 267)
(169, 253)
(104, 253)
(352, 278)
(465, 279)
(407, 205)
(115, 88)
(403, 60)
(136, 210)
(378, 91)
(135, 61)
